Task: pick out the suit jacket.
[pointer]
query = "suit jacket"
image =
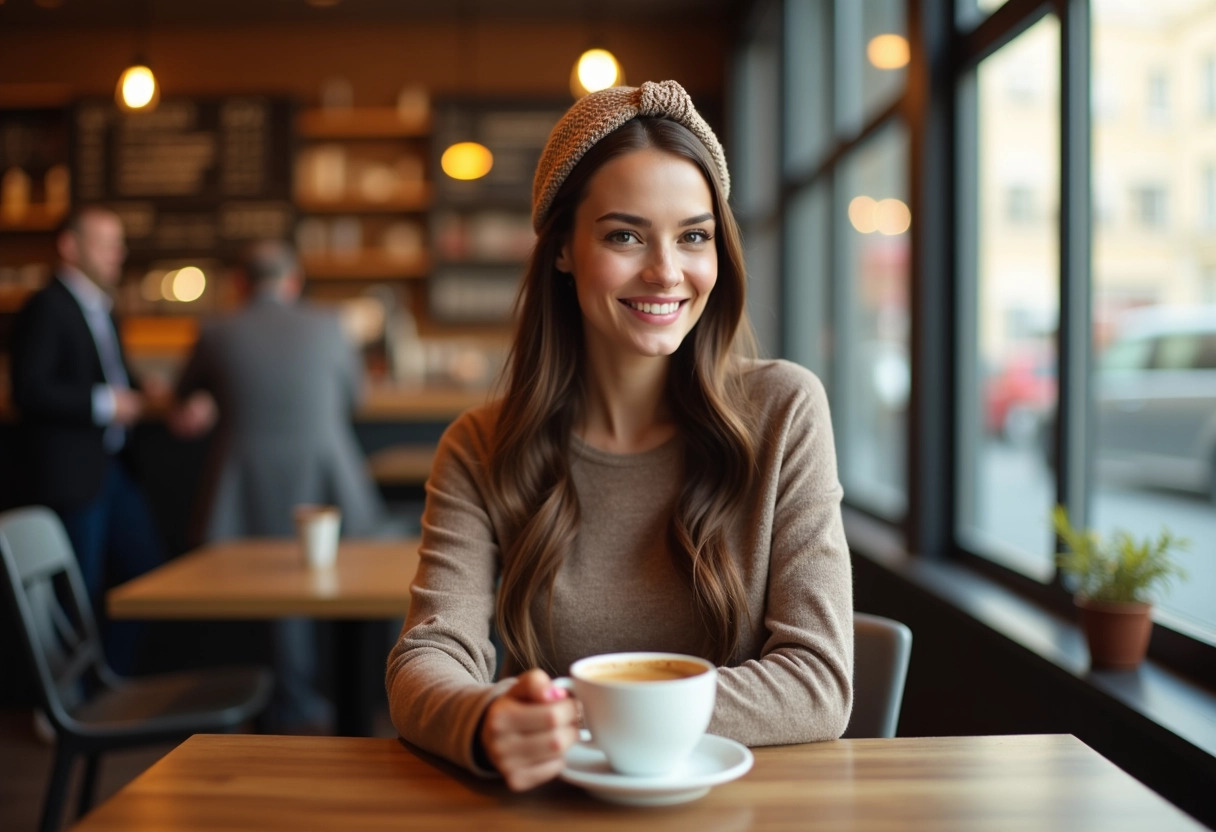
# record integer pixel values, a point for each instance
(286, 379)
(55, 365)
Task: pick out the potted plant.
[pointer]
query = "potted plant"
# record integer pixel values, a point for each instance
(1113, 581)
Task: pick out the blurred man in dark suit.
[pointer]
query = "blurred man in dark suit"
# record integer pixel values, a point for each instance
(77, 400)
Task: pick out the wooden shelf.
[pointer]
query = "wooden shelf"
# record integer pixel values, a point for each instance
(13, 298)
(409, 204)
(359, 123)
(37, 218)
(159, 334)
(368, 265)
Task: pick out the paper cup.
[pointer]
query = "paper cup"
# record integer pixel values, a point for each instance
(317, 528)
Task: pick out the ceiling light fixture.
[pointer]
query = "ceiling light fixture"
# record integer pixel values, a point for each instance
(888, 51)
(595, 69)
(466, 160)
(137, 89)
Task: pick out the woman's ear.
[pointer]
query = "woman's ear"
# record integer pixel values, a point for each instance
(564, 263)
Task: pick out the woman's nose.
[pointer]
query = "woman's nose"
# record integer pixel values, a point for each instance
(663, 270)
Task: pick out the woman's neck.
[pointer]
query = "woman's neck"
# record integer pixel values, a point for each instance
(626, 410)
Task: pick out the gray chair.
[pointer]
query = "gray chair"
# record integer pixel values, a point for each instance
(91, 708)
(881, 649)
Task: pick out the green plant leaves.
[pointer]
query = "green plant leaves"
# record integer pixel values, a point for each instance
(1121, 570)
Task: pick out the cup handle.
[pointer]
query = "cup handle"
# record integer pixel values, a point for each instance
(567, 684)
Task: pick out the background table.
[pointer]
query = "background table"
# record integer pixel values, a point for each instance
(963, 784)
(265, 578)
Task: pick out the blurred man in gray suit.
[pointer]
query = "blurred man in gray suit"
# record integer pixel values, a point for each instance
(283, 379)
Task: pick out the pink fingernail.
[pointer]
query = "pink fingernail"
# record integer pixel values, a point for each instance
(554, 693)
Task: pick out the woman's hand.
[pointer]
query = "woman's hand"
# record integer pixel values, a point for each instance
(527, 730)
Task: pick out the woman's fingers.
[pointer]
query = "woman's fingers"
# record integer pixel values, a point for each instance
(535, 686)
(524, 778)
(527, 731)
(514, 717)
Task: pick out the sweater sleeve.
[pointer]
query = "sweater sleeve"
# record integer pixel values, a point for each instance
(441, 670)
(800, 688)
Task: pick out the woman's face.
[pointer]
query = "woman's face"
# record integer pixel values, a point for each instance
(642, 254)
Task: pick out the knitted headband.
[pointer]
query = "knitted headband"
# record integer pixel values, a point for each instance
(594, 116)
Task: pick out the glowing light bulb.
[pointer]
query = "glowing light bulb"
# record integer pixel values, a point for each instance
(467, 160)
(888, 51)
(597, 69)
(861, 214)
(137, 87)
(892, 217)
(189, 283)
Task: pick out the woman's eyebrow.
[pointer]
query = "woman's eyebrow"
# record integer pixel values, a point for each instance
(630, 219)
(633, 219)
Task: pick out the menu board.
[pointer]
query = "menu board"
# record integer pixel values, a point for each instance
(192, 177)
(515, 134)
(482, 229)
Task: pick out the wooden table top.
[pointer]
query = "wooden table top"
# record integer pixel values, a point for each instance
(267, 578)
(396, 403)
(968, 784)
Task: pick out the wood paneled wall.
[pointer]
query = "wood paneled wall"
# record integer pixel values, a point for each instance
(525, 59)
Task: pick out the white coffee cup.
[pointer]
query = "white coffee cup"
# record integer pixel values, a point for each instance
(645, 711)
(317, 527)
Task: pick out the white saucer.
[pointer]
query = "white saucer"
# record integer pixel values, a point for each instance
(715, 760)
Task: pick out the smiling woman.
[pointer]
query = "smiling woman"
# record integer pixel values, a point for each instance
(643, 484)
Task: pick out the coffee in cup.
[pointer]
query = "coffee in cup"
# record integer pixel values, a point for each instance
(645, 711)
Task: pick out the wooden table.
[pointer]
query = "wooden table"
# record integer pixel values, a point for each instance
(266, 578)
(967, 784)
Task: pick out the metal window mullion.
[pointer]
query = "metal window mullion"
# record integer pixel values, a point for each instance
(1074, 437)
(930, 115)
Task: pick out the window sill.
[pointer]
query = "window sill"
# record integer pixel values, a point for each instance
(1183, 711)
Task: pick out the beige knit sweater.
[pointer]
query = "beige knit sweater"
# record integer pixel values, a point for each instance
(618, 591)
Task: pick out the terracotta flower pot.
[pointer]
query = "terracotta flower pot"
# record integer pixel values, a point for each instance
(1117, 633)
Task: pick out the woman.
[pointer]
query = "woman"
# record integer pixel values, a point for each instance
(641, 485)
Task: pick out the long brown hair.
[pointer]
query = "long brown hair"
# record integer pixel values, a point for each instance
(530, 478)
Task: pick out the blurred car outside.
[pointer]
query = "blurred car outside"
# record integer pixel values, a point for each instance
(1155, 400)
(1020, 396)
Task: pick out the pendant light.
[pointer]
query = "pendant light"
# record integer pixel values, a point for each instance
(137, 90)
(597, 68)
(466, 160)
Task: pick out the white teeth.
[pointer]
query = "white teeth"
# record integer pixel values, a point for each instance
(655, 308)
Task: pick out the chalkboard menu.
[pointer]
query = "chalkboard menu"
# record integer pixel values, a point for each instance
(482, 229)
(193, 177)
(515, 132)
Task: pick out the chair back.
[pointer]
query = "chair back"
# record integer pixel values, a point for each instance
(881, 650)
(52, 606)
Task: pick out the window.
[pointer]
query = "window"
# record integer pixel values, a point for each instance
(1019, 205)
(1149, 204)
(872, 220)
(1207, 86)
(1154, 388)
(871, 59)
(1061, 262)
(1207, 209)
(807, 309)
(755, 161)
(1006, 478)
(1158, 96)
(808, 83)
